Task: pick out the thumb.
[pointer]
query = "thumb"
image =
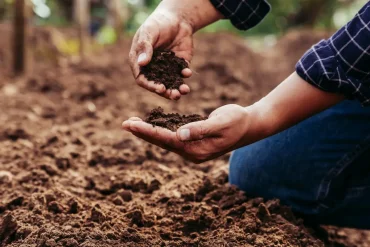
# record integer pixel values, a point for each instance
(198, 130)
(145, 53)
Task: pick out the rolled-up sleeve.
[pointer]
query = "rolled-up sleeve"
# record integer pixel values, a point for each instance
(244, 14)
(341, 64)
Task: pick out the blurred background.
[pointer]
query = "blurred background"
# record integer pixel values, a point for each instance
(284, 14)
(74, 28)
(329, 14)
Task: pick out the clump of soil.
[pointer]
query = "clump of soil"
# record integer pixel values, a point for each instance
(171, 121)
(165, 68)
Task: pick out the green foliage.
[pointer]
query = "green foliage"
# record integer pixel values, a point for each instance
(276, 21)
(5, 9)
(291, 13)
(57, 18)
(285, 14)
(152, 3)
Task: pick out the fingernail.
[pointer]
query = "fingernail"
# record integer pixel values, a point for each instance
(184, 134)
(126, 126)
(141, 57)
(160, 89)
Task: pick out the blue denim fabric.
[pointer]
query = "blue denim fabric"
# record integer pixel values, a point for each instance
(320, 167)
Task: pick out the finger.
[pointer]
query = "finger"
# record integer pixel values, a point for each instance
(167, 94)
(135, 119)
(142, 81)
(150, 85)
(141, 51)
(154, 87)
(186, 73)
(144, 47)
(126, 124)
(199, 130)
(174, 94)
(145, 53)
(184, 89)
(133, 57)
(159, 88)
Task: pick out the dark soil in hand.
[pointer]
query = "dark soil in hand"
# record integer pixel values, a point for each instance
(171, 121)
(165, 68)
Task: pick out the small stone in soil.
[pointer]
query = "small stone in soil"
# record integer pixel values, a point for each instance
(171, 121)
(165, 68)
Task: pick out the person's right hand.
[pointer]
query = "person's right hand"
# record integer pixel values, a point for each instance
(226, 129)
(166, 30)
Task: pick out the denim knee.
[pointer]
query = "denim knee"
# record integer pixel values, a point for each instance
(264, 170)
(264, 176)
(247, 172)
(312, 166)
(234, 167)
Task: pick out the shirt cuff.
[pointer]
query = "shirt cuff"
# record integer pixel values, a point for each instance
(243, 14)
(320, 67)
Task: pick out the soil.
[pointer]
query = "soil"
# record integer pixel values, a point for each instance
(171, 121)
(69, 176)
(165, 68)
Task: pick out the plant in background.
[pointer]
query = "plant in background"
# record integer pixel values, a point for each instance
(284, 15)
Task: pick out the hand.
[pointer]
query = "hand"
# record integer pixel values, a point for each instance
(223, 131)
(170, 26)
(167, 31)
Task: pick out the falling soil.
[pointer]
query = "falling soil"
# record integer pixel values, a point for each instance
(171, 121)
(69, 176)
(165, 68)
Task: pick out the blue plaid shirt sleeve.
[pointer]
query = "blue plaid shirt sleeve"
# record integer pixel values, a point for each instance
(341, 64)
(243, 14)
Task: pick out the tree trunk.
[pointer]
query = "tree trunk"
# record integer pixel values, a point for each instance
(2, 10)
(311, 11)
(82, 16)
(116, 14)
(21, 37)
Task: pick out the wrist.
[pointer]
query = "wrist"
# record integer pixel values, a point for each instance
(259, 126)
(195, 13)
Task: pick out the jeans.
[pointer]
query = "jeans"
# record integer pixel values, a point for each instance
(320, 167)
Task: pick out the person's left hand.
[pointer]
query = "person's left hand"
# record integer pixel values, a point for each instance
(222, 132)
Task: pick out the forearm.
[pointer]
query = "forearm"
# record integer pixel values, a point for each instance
(331, 70)
(288, 104)
(197, 13)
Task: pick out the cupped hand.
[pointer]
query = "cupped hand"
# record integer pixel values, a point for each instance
(224, 130)
(164, 30)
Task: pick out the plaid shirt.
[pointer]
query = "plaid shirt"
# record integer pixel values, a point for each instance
(340, 64)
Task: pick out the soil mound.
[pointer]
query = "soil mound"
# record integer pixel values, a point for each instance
(171, 121)
(165, 68)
